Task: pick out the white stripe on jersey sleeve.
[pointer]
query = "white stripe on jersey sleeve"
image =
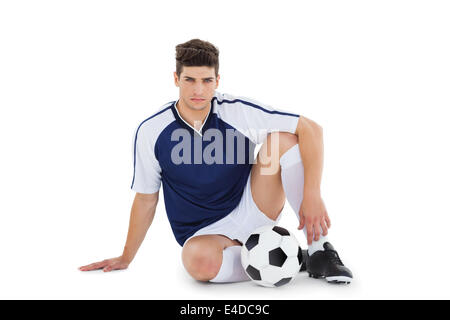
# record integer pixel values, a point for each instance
(147, 172)
(253, 118)
(146, 168)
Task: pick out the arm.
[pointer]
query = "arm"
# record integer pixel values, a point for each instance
(141, 217)
(142, 214)
(312, 211)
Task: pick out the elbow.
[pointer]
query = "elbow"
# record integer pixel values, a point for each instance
(309, 125)
(319, 129)
(148, 199)
(315, 126)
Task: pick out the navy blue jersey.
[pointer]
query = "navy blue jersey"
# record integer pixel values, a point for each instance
(203, 172)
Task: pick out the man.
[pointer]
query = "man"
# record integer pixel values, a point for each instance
(200, 148)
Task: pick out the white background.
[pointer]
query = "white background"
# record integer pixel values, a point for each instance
(77, 77)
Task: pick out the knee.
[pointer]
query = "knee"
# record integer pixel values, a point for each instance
(201, 262)
(285, 141)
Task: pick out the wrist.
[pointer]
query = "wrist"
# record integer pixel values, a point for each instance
(126, 260)
(311, 193)
(127, 257)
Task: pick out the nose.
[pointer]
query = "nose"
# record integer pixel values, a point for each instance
(198, 89)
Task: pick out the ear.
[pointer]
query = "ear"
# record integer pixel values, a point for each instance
(175, 78)
(217, 80)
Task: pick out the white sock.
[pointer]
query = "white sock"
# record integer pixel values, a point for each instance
(231, 269)
(292, 177)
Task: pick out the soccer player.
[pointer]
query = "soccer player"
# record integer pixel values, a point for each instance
(201, 149)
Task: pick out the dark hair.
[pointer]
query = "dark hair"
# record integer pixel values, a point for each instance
(196, 53)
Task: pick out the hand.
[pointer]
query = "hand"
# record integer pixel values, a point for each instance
(107, 265)
(314, 214)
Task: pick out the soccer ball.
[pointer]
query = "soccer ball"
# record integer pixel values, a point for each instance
(271, 256)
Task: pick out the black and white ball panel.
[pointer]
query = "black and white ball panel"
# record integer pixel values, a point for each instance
(271, 256)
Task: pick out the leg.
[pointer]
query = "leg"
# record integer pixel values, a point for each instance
(323, 260)
(278, 176)
(266, 185)
(202, 255)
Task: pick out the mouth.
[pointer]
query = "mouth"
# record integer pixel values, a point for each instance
(197, 100)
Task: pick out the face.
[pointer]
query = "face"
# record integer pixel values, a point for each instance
(197, 86)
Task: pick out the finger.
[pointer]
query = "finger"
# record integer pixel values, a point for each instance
(309, 233)
(88, 267)
(327, 219)
(94, 266)
(324, 227)
(302, 220)
(316, 231)
(302, 223)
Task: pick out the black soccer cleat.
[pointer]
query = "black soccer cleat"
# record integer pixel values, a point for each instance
(327, 264)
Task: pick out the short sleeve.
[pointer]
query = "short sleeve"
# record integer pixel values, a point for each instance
(146, 169)
(256, 119)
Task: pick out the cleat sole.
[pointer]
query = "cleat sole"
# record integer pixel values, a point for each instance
(339, 280)
(333, 280)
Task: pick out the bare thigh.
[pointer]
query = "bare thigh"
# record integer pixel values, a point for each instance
(202, 255)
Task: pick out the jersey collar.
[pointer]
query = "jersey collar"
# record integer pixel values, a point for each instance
(186, 125)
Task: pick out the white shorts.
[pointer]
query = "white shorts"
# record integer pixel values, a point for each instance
(239, 223)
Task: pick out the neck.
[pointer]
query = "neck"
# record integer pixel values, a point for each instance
(195, 118)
